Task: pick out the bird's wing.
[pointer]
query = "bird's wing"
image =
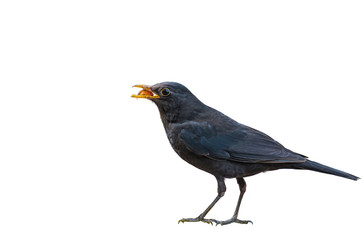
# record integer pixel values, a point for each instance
(243, 144)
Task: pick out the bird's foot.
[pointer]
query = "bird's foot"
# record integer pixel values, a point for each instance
(198, 219)
(231, 220)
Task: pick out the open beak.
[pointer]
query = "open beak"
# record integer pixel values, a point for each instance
(146, 92)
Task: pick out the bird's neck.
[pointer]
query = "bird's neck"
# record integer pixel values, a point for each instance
(181, 114)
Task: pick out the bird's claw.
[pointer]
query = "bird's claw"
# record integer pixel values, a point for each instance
(232, 220)
(198, 219)
(217, 222)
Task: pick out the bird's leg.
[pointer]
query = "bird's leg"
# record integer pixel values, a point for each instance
(234, 218)
(201, 218)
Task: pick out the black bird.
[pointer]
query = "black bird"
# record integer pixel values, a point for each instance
(215, 143)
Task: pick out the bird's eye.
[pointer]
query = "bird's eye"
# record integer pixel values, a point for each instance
(165, 92)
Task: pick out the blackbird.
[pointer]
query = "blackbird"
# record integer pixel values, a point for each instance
(217, 144)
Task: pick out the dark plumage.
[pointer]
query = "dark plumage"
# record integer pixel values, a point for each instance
(215, 143)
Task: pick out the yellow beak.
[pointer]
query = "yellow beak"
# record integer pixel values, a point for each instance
(146, 92)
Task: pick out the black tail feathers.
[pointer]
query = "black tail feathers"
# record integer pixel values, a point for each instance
(314, 166)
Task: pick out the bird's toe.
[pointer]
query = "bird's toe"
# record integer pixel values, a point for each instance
(198, 219)
(243, 221)
(232, 220)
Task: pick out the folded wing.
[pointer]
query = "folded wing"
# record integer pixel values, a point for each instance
(242, 144)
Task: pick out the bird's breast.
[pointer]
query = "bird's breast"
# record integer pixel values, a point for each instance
(175, 143)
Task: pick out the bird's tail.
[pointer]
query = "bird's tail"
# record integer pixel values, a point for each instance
(314, 166)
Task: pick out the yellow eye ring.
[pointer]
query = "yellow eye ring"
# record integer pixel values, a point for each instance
(165, 92)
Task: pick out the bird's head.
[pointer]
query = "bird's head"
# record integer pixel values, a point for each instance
(174, 101)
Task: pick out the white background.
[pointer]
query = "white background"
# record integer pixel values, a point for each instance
(80, 159)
